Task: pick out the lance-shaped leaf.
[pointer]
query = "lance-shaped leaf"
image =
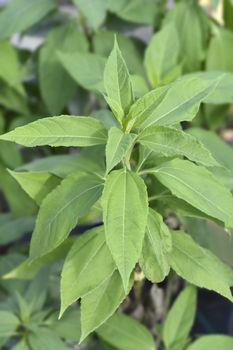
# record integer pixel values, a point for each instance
(172, 142)
(123, 332)
(60, 210)
(125, 209)
(118, 145)
(180, 319)
(117, 84)
(172, 104)
(199, 266)
(87, 265)
(197, 186)
(98, 305)
(36, 184)
(157, 243)
(162, 55)
(59, 131)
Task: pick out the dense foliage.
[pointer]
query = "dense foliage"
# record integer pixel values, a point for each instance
(121, 140)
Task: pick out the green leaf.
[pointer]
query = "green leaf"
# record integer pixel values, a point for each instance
(131, 52)
(98, 305)
(62, 165)
(69, 326)
(162, 56)
(15, 196)
(197, 186)
(8, 324)
(125, 209)
(13, 228)
(94, 11)
(193, 29)
(10, 67)
(20, 15)
(172, 142)
(220, 150)
(117, 84)
(118, 145)
(46, 339)
(78, 66)
(59, 131)
(56, 85)
(180, 319)
(210, 342)
(181, 102)
(220, 51)
(125, 333)
(36, 184)
(144, 107)
(199, 266)
(28, 269)
(10, 154)
(172, 104)
(157, 243)
(135, 10)
(22, 345)
(61, 209)
(88, 263)
(13, 100)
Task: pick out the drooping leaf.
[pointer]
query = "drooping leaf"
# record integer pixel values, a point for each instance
(36, 184)
(88, 263)
(209, 342)
(172, 142)
(78, 66)
(199, 266)
(117, 84)
(125, 209)
(20, 15)
(197, 186)
(118, 145)
(59, 131)
(157, 243)
(123, 332)
(162, 56)
(98, 305)
(56, 85)
(8, 324)
(180, 319)
(61, 209)
(94, 11)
